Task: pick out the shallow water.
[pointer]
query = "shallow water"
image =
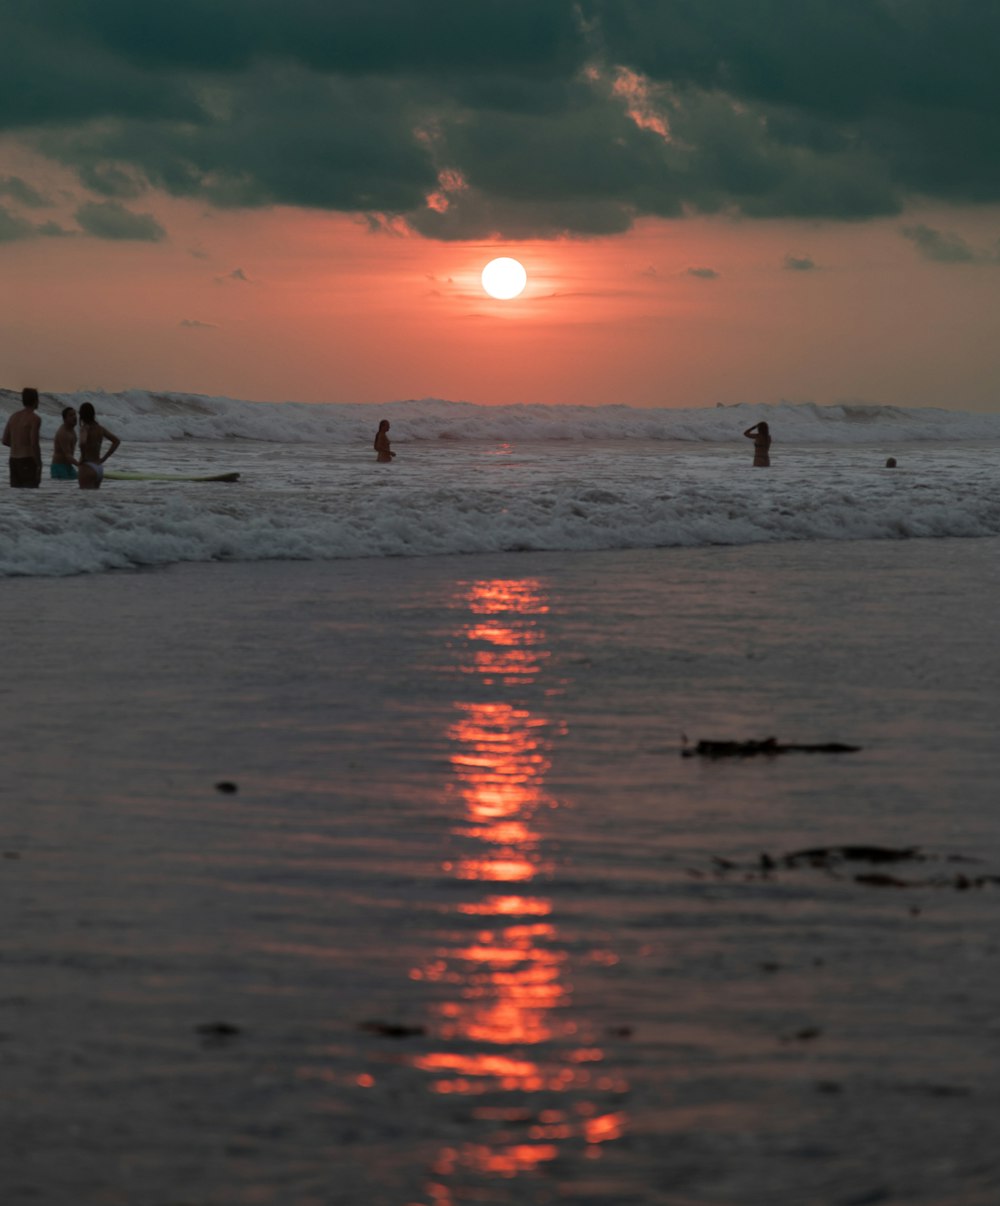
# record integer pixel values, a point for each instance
(465, 911)
(326, 501)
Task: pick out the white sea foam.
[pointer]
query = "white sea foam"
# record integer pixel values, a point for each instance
(472, 479)
(142, 415)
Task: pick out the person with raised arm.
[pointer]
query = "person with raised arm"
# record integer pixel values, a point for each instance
(760, 433)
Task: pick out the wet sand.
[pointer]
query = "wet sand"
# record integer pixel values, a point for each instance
(469, 929)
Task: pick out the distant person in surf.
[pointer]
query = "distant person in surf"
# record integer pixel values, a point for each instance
(891, 463)
(760, 433)
(385, 453)
(92, 435)
(64, 462)
(21, 436)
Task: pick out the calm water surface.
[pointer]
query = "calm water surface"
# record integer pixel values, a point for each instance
(471, 930)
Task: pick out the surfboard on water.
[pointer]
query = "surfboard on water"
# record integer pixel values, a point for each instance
(170, 477)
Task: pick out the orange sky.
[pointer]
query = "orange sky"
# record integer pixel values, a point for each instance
(291, 304)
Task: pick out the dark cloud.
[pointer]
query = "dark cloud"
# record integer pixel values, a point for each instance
(109, 180)
(467, 119)
(20, 191)
(196, 325)
(936, 245)
(13, 227)
(52, 230)
(799, 263)
(111, 220)
(704, 274)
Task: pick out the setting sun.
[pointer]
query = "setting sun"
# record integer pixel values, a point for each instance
(504, 278)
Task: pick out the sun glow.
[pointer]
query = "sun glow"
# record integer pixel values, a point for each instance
(504, 278)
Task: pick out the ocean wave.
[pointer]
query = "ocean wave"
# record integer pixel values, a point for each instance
(66, 532)
(143, 416)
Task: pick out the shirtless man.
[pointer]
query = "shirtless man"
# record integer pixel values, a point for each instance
(64, 448)
(21, 436)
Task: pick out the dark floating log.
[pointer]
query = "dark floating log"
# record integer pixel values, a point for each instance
(768, 746)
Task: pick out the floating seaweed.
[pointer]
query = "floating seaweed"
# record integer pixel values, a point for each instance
(768, 746)
(825, 856)
(834, 859)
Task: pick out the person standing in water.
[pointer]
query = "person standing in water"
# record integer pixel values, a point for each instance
(385, 453)
(64, 462)
(761, 435)
(92, 434)
(21, 436)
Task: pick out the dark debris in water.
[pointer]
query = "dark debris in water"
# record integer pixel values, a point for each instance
(768, 746)
(218, 1032)
(836, 860)
(392, 1029)
(804, 1035)
(227, 787)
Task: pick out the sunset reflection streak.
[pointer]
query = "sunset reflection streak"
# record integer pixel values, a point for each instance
(508, 1044)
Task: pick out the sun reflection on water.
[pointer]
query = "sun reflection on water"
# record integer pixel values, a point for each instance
(509, 1043)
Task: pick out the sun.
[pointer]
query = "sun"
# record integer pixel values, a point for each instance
(504, 278)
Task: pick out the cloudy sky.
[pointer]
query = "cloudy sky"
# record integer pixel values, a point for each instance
(715, 200)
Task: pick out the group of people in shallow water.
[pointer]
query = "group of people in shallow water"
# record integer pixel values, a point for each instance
(74, 458)
(81, 458)
(21, 436)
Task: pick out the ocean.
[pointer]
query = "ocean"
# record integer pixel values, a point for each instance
(471, 479)
(356, 849)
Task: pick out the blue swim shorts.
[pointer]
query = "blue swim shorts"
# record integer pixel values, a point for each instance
(63, 473)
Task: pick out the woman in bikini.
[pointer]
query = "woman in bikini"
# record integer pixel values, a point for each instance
(761, 436)
(92, 434)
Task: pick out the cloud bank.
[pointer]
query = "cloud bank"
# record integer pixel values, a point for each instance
(515, 118)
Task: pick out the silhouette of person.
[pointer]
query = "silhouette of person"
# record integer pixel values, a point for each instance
(385, 453)
(760, 433)
(21, 436)
(64, 448)
(92, 434)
